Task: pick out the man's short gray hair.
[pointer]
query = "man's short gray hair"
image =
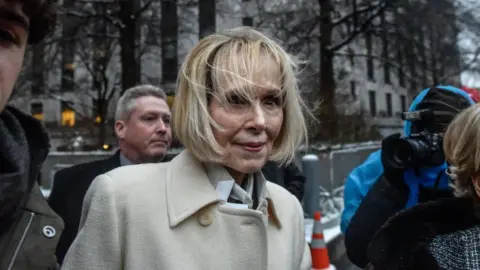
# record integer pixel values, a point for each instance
(126, 103)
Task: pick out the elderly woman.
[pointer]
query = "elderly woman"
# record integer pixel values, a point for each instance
(443, 234)
(237, 106)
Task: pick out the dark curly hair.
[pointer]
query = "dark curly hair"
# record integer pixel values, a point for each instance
(43, 18)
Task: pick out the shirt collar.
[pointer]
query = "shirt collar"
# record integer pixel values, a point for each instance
(226, 187)
(188, 178)
(124, 161)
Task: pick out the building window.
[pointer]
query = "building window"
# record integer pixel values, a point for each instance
(368, 44)
(403, 103)
(372, 99)
(68, 115)
(388, 100)
(247, 21)
(386, 73)
(351, 57)
(413, 85)
(401, 75)
(36, 109)
(353, 90)
(170, 100)
(385, 52)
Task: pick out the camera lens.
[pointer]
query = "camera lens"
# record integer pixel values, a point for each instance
(404, 152)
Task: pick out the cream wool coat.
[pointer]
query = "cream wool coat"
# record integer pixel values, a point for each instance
(168, 216)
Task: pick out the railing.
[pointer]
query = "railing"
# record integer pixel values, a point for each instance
(331, 204)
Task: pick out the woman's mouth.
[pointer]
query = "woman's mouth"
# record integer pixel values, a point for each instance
(253, 147)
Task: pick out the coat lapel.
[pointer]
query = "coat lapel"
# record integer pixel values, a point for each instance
(188, 188)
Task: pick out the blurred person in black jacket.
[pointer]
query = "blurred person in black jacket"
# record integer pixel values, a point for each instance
(288, 176)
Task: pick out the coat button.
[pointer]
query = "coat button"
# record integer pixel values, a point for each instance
(49, 231)
(205, 218)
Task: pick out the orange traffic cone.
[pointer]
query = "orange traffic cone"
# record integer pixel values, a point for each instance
(318, 248)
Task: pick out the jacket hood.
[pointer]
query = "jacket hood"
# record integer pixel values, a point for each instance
(407, 125)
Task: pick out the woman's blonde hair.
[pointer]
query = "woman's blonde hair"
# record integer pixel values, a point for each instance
(227, 57)
(462, 149)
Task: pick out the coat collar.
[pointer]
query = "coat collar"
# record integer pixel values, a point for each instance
(405, 238)
(188, 189)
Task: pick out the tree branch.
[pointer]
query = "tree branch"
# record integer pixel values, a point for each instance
(359, 30)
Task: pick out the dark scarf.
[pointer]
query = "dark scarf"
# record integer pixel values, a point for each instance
(23, 147)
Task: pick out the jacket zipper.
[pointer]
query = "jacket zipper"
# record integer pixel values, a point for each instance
(24, 235)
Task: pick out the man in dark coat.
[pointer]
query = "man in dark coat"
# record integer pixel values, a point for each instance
(143, 130)
(29, 229)
(289, 177)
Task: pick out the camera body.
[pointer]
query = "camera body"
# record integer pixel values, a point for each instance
(421, 149)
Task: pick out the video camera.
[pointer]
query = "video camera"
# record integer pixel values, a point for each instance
(422, 149)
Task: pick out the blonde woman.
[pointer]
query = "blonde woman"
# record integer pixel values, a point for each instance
(443, 234)
(237, 106)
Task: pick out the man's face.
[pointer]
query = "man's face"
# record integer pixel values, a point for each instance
(13, 41)
(147, 134)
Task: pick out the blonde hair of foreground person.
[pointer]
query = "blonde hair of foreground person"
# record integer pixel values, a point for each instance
(462, 152)
(225, 59)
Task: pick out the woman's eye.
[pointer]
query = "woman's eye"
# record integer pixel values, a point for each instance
(236, 100)
(7, 37)
(273, 101)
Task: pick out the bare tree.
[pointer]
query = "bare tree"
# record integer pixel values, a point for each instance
(416, 38)
(318, 28)
(124, 16)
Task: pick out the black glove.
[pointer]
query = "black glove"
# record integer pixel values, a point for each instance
(393, 174)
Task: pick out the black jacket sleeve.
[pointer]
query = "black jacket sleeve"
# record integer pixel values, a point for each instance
(294, 181)
(382, 202)
(56, 200)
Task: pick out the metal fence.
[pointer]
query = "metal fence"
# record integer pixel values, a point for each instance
(326, 170)
(333, 165)
(59, 160)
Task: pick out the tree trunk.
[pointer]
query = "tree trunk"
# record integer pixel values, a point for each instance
(38, 69)
(68, 51)
(327, 114)
(128, 34)
(169, 41)
(206, 18)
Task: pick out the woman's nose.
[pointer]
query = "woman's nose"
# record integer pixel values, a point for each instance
(257, 120)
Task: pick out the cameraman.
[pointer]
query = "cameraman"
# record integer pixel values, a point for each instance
(387, 183)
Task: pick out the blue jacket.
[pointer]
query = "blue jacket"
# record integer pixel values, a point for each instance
(362, 178)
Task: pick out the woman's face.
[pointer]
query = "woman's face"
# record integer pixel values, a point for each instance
(250, 125)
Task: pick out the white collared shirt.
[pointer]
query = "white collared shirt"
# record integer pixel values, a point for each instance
(227, 188)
